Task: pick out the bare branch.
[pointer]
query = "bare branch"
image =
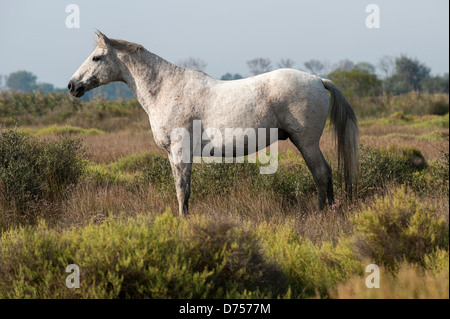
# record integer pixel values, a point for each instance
(259, 66)
(285, 63)
(193, 63)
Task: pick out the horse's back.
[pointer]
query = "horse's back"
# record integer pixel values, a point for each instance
(272, 99)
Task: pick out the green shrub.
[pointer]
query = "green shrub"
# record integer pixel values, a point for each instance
(291, 181)
(159, 173)
(222, 178)
(440, 106)
(143, 257)
(132, 162)
(310, 269)
(432, 180)
(399, 228)
(57, 130)
(102, 175)
(380, 167)
(35, 174)
(32, 107)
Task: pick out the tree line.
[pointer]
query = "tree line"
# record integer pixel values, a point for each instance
(392, 75)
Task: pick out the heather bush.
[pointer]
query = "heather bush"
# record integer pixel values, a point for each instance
(35, 175)
(397, 228)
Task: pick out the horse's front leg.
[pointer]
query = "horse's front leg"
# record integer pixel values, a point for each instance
(182, 175)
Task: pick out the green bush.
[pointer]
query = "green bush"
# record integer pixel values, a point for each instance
(399, 228)
(159, 173)
(310, 269)
(356, 82)
(222, 178)
(26, 108)
(142, 257)
(432, 180)
(380, 167)
(440, 106)
(167, 257)
(36, 174)
(291, 181)
(57, 130)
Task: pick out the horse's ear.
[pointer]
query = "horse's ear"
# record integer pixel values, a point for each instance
(101, 37)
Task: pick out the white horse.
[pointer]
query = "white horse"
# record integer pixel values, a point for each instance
(294, 102)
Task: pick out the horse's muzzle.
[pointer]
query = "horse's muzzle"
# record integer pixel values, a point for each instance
(76, 90)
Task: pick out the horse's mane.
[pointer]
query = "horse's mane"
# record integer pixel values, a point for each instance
(123, 45)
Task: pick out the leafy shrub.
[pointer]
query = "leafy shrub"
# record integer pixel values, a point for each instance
(102, 175)
(439, 106)
(159, 173)
(291, 181)
(221, 178)
(433, 180)
(27, 107)
(309, 269)
(37, 108)
(399, 228)
(58, 130)
(146, 257)
(34, 174)
(358, 82)
(380, 167)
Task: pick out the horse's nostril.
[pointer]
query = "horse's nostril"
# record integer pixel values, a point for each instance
(70, 86)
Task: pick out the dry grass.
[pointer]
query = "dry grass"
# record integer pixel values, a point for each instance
(92, 203)
(110, 147)
(410, 283)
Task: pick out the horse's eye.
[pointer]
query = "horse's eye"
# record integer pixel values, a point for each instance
(96, 58)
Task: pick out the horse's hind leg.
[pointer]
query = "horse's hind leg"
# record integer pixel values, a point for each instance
(320, 170)
(330, 192)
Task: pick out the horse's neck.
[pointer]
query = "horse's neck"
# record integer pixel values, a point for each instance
(146, 74)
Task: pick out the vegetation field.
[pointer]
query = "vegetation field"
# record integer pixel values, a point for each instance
(84, 183)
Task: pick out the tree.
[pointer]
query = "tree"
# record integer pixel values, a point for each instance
(21, 81)
(356, 82)
(314, 66)
(113, 91)
(259, 66)
(345, 65)
(408, 76)
(229, 77)
(436, 84)
(365, 66)
(45, 87)
(285, 63)
(193, 63)
(387, 65)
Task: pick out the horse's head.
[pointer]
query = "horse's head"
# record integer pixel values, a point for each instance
(100, 68)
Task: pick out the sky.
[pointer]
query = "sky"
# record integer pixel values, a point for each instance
(225, 34)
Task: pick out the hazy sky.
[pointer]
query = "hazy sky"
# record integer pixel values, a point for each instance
(225, 34)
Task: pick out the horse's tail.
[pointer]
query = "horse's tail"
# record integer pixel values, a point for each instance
(343, 121)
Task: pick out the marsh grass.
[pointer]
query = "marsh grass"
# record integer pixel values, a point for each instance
(248, 236)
